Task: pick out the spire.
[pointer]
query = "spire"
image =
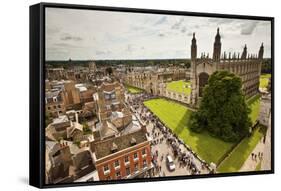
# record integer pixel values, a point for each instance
(217, 46)
(244, 53)
(261, 51)
(193, 48)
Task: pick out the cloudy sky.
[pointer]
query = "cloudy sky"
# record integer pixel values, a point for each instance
(88, 34)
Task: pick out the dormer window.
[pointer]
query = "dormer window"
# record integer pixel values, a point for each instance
(55, 99)
(107, 96)
(113, 96)
(114, 148)
(133, 141)
(135, 155)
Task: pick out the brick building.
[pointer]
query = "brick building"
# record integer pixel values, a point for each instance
(123, 157)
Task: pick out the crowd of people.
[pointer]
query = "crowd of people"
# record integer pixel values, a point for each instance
(160, 133)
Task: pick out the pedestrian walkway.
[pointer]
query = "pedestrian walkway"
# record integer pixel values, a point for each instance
(251, 163)
(262, 147)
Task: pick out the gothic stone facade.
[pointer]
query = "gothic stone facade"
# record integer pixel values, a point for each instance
(247, 67)
(154, 81)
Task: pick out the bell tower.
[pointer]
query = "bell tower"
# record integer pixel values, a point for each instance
(244, 53)
(217, 46)
(193, 48)
(261, 51)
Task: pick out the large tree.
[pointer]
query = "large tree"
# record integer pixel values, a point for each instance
(223, 110)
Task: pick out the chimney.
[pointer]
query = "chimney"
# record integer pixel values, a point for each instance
(76, 117)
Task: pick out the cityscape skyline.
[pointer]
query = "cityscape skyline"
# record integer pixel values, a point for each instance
(104, 35)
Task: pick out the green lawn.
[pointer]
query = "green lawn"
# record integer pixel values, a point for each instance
(239, 155)
(176, 116)
(180, 86)
(237, 158)
(133, 90)
(211, 149)
(264, 78)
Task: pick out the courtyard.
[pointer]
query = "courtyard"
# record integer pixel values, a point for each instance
(133, 90)
(179, 86)
(264, 79)
(175, 116)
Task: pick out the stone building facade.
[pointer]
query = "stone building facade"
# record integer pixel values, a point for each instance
(247, 67)
(265, 109)
(153, 81)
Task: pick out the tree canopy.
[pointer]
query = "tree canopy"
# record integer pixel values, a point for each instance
(223, 110)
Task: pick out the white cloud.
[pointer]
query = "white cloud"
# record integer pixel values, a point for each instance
(87, 34)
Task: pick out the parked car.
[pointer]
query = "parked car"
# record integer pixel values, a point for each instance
(170, 163)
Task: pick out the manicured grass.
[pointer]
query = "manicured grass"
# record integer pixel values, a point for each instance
(254, 103)
(264, 78)
(133, 90)
(180, 86)
(176, 116)
(237, 158)
(235, 161)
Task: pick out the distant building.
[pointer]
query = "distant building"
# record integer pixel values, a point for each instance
(56, 73)
(55, 102)
(112, 113)
(63, 129)
(247, 67)
(124, 157)
(66, 163)
(265, 109)
(92, 67)
(151, 80)
(69, 93)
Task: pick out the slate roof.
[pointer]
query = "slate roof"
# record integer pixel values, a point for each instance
(103, 148)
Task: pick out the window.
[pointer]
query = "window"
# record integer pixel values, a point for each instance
(118, 175)
(59, 106)
(117, 163)
(105, 168)
(126, 159)
(128, 172)
(113, 96)
(49, 108)
(107, 96)
(144, 164)
(55, 107)
(135, 155)
(143, 151)
(136, 167)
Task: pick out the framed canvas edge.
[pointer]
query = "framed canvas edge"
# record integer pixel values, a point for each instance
(39, 89)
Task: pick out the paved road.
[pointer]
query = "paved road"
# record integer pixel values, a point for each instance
(165, 148)
(265, 148)
(266, 163)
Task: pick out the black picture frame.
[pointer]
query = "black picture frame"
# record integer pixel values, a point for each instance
(37, 92)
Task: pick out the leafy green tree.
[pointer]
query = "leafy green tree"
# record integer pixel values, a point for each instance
(86, 128)
(223, 110)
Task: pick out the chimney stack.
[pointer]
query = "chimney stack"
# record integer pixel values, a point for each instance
(76, 117)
